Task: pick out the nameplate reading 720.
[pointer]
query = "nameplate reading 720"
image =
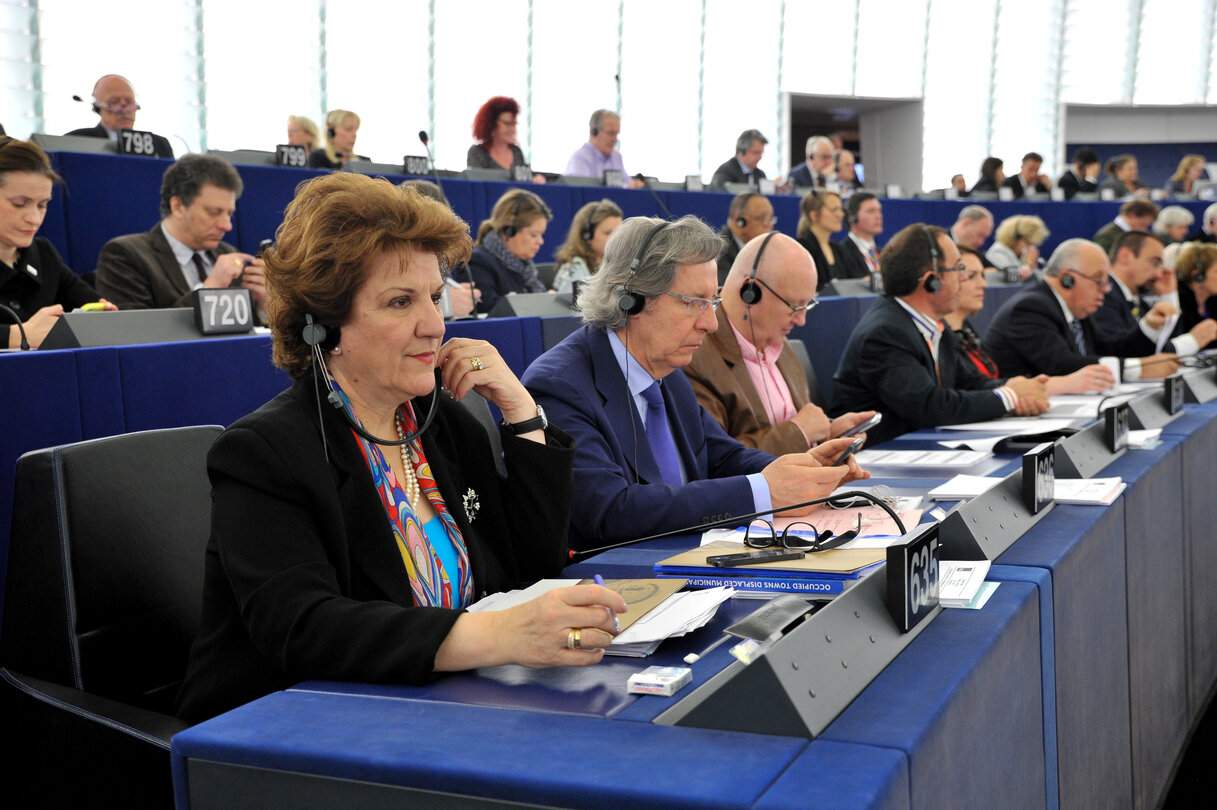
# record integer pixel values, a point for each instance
(223, 311)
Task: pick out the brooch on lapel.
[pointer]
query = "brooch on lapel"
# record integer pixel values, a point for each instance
(470, 502)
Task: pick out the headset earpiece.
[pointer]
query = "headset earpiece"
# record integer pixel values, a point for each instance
(1067, 280)
(509, 230)
(331, 132)
(630, 302)
(932, 283)
(1200, 275)
(750, 292)
(319, 335)
(589, 230)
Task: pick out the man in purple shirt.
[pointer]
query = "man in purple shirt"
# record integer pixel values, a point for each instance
(597, 156)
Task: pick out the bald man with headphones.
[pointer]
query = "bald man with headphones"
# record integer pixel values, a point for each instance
(745, 374)
(902, 361)
(114, 103)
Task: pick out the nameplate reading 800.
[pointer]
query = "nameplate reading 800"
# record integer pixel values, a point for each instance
(223, 311)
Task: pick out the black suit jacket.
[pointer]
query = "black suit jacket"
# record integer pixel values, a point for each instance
(730, 172)
(727, 257)
(39, 279)
(1015, 184)
(139, 271)
(303, 578)
(1070, 183)
(825, 272)
(850, 261)
(1029, 335)
(161, 144)
(1115, 322)
(887, 367)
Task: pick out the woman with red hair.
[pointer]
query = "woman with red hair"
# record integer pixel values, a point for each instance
(494, 130)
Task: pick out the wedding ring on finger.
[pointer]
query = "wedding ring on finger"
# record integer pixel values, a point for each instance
(574, 640)
(477, 363)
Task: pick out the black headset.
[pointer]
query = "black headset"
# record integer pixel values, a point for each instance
(932, 283)
(630, 302)
(1067, 279)
(321, 338)
(589, 229)
(509, 230)
(319, 335)
(750, 292)
(741, 221)
(1199, 275)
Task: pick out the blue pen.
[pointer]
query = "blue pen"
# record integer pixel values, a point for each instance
(616, 622)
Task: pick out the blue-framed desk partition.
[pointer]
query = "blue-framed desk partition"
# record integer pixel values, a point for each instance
(87, 213)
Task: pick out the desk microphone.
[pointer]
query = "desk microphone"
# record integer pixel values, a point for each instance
(667, 213)
(422, 136)
(25, 344)
(579, 556)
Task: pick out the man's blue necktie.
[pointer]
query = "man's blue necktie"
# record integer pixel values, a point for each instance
(659, 434)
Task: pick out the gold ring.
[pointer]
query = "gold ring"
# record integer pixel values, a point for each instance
(574, 640)
(477, 364)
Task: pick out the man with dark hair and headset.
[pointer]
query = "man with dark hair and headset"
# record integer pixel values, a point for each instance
(749, 216)
(745, 374)
(901, 360)
(648, 459)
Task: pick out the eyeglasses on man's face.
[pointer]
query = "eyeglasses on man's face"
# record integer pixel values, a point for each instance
(696, 306)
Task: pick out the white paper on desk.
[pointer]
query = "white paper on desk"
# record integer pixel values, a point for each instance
(1089, 491)
(932, 459)
(1014, 425)
(1144, 439)
(982, 444)
(680, 613)
(958, 581)
(1165, 334)
(963, 487)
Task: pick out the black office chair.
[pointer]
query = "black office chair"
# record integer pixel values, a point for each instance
(104, 588)
(477, 405)
(547, 271)
(813, 386)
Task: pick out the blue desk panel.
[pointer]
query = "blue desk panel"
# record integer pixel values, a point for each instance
(1157, 637)
(1200, 548)
(1082, 546)
(558, 759)
(964, 704)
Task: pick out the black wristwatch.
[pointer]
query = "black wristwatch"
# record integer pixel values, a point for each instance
(538, 422)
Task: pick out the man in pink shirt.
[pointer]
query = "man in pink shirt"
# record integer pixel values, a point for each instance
(745, 374)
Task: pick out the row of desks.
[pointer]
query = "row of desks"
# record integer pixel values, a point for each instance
(109, 195)
(1075, 686)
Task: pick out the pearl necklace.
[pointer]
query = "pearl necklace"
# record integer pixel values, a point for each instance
(408, 465)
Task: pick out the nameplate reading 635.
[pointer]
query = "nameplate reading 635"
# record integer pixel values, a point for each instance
(223, 311)
(136, 142)
(912, 578)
